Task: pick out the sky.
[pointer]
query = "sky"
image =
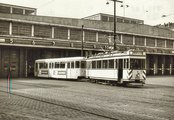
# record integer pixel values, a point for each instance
(150, 11)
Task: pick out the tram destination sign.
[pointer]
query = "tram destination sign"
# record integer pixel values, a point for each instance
(136, 53)
(2, 40)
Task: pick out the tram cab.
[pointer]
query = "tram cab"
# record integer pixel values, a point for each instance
(118, 67)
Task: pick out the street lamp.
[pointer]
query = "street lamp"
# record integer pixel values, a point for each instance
(115, 21)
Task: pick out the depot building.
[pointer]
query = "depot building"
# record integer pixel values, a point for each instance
(26, 36)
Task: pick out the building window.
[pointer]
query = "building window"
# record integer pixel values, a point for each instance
(61, 33)
(17, 11)
(150, 42)
(21, 29)
(139, 40)
(90, 36)
(75, 34)
(128, 39)
(4, 28)
(103, 37)
(4, 9)
(104, 18)
(160, 43)
(169, 43)
(42, 31)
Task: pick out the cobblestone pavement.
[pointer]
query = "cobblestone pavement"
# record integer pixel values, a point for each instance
(65, 100)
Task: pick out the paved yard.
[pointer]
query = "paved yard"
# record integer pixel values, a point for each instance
(58, 99)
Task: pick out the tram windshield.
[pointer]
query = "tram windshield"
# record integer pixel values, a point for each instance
(137, 64)
(43, 65)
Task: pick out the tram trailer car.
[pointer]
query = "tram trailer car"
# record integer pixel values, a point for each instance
(118, 67)
(65, 68)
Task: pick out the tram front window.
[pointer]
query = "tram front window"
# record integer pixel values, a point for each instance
(137, 64)
(43, 65)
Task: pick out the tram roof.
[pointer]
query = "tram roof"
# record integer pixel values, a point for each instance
(120, 54)
(61, 59)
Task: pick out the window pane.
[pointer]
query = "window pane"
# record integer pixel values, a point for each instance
(93, 64)
(72, 65)
(62, 65)
(43, 65)
(77, 64)
(83, 64)
(99, 64)
(105, 64)
(56, 65)
(116, 63)
(111, 63)
(68, 65)
(137, 64)
(50, 65)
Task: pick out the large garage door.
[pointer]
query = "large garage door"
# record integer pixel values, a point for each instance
(9, 60)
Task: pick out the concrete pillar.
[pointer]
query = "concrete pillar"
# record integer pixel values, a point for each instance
(10, 28)
(121, 39)
(69, 34)
(147, 65)
(155, 42)
(165, 44)
(52, 32)
(11, 10)
(133, 40)
(23, 11)
(32, 30)
(163, 65)
(171, 65)
(96, 36)
(26, 63)
(22, 62)
(155, 65)
(1, 68)
(145, 41)
(83, 36)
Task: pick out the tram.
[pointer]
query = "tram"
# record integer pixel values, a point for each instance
(66, 68)
(118, 67)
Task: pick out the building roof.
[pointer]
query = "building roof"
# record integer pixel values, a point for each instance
(16, 9)
(138, 29)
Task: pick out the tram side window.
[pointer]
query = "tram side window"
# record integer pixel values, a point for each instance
(105, 64)
(77, 64)
(116, 63)
(43, 65)
(62, 65)
(83, 64)
(72, 64)
(93, 64)
(56, 65)
(68, 65)
(98, 64)
(50, 66)
(126, 63)
(137, 64)
(111, 63)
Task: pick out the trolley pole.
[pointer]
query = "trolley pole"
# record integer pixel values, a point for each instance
(82, 41)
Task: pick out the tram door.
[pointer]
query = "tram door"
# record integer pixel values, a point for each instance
(120, 69)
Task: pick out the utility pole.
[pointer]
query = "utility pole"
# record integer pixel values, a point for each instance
(115, 22)
(82, 41)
